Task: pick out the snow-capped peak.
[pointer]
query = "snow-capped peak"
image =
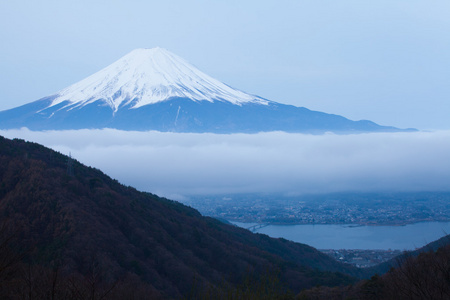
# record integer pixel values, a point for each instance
(147, 76)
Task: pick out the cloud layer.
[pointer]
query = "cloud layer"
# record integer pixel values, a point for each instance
(179, 165)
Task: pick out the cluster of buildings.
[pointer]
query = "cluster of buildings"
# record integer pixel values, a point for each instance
(369, 209)
(362, 258)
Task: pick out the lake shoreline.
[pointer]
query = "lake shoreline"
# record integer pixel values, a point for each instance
(355, 236)
(341, 224)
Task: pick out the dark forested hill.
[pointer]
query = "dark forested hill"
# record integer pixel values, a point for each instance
(72, 231)
(419, 275)
(392, 263)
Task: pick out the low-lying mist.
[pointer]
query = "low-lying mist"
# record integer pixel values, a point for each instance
(177, 165)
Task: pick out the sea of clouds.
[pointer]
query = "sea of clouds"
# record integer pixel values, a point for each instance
(178, 165)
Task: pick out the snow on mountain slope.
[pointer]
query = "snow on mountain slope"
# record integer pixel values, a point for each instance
(148, 76)
(153, 89)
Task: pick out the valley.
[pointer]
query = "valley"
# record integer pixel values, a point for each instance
(74, 217)
(343, 221)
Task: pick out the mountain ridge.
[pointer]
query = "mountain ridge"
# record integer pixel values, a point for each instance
(154, 89)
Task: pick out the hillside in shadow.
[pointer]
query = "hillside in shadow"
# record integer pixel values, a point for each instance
(71, 232)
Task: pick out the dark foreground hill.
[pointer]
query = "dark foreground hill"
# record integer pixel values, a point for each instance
(71, 232)
(393, 263)
(421, 275)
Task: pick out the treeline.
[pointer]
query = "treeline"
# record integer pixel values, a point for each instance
(426, 276)
(21, 278)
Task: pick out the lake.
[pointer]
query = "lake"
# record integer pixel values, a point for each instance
(407, 237)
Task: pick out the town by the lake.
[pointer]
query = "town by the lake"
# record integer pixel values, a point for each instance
(338, 208)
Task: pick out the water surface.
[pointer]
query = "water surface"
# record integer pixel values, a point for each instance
(407, 237)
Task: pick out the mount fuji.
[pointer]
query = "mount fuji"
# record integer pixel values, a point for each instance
(154, 89)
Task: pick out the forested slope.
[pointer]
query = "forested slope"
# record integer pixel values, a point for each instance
(87, 234)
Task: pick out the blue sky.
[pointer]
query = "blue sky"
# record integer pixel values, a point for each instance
(387, 61)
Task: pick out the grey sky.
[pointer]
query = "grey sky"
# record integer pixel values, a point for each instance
(387, 61)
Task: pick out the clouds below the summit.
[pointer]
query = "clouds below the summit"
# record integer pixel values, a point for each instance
(178, 165)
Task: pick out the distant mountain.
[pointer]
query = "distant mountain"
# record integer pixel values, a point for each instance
(83, 232)
(153, 89)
